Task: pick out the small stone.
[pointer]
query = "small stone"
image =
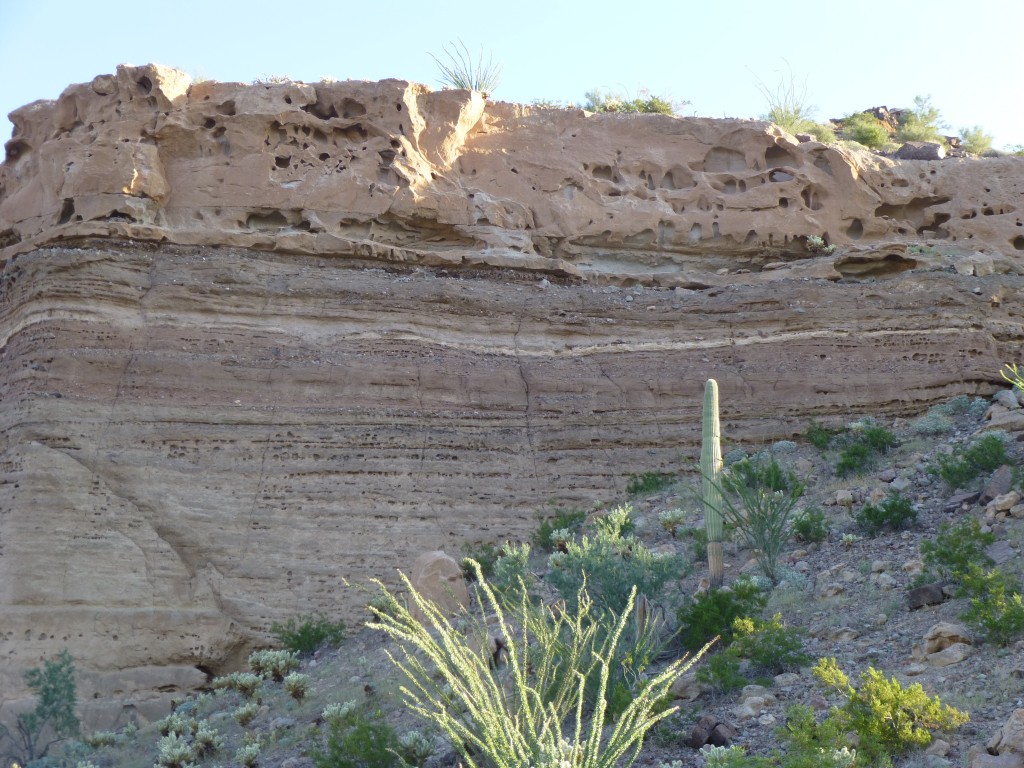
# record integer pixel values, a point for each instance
(915, 669)
(900, 484)
(1006, 398)
(913, 567)
(1005, 502)
(886, 581)
(844, 498)
(786, 679)
(880, 566)
(887, 475)
(998, 484)
(831, 590)
(954, 654)
(843, 634)
(938, 747)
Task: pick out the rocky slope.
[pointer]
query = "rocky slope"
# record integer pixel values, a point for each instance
(259, 338)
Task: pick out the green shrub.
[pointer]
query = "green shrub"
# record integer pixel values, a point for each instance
(770, 646)
(273, 664)
(512, 570)
(515, 715)
(462, 72)
(722, 671)
(966, 464)
(956, 550)
(486, 553)
(819, 436)
(865, 129)
(53, 718)
(789, 109)
(889, 719)
(811, 526)
(611, 563)
(894, 513)
(861, 448)
(645, 102)
(810, 744)
(975, 140)
(711, 614)
(648, 483)
(246, 713)
(414, 747)
(185, 740)
(962, 405)
(758, 500)
(307, 632)
(728, 757)
(922, 123)
(563, 519)
(996, 609)
(671, 519)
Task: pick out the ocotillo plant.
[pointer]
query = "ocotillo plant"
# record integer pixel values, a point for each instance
(710, 468)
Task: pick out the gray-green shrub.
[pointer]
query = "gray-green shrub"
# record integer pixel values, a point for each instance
(53, 718)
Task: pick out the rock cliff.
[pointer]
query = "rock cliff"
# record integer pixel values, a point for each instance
(257, 339)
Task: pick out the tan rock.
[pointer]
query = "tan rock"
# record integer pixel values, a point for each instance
(216, 404)
(944, 634)
(438, 578)
(1006, 502)
(952, 654)
(1010, 738)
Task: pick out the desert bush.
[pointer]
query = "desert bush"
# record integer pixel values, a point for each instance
(729, 757)
(956, 550)
(770, 646)
(359, 740)
(297, 685)
(711, 614)
(246, 713)
(206, 740)
(486, 553)
(819, 436)
(865, 129)
(174, 751)
(671, 519)
(246, 683)
(414, 748)
(975, 140)
(248, 754)
(758, 500)
(462, 72)
(966, 464)
(922, 123)
(512, 569)
(529, 711)
(723, 672)
(563, 519)
(889, 719)
(893, 513)
(817, 246)
(861, 447)
(996, 609)
(611, 563)
(648, 483)
(273, 664)
(307, 632)
(53, 718)
(789, 108)
(646, 103)
(811, 526)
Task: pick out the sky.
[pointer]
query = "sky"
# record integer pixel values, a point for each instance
(718, 55)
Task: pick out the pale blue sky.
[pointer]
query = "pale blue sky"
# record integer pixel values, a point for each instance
(850, 56)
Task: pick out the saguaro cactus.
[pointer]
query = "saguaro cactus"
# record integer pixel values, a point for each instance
(710, 469)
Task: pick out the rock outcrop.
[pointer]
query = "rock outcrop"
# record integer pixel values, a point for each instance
(256, 339)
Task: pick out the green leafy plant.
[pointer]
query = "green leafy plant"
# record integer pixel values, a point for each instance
(956, 550)
(485, 552)
(922, 123)
(975, 140)
(611, 563)
(966, 464)
(462, 72)
(562, 519)
(889, 719)
(893, 513)
(811, 526)
(53, 718)
(865, 129)
(648, 483)
(358, 740)
(671, 519)
(530, 711)
(512, 570)
(246, 713)
(818, 247)
(758, 500)
(711, 614)
(723, 672)
(307, 632)
(996, 609)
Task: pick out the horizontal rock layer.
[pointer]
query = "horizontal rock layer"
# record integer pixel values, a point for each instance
(256, 340)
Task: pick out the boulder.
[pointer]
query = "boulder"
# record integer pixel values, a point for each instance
(926, 594)
(438, 578)
(999, 483)
(944, 634)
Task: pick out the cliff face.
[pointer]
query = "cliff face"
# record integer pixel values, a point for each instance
(258, 339)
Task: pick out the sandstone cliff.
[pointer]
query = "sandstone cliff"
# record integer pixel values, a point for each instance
(259, 338)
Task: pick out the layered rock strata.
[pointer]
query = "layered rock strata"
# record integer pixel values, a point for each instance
(256, 340)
